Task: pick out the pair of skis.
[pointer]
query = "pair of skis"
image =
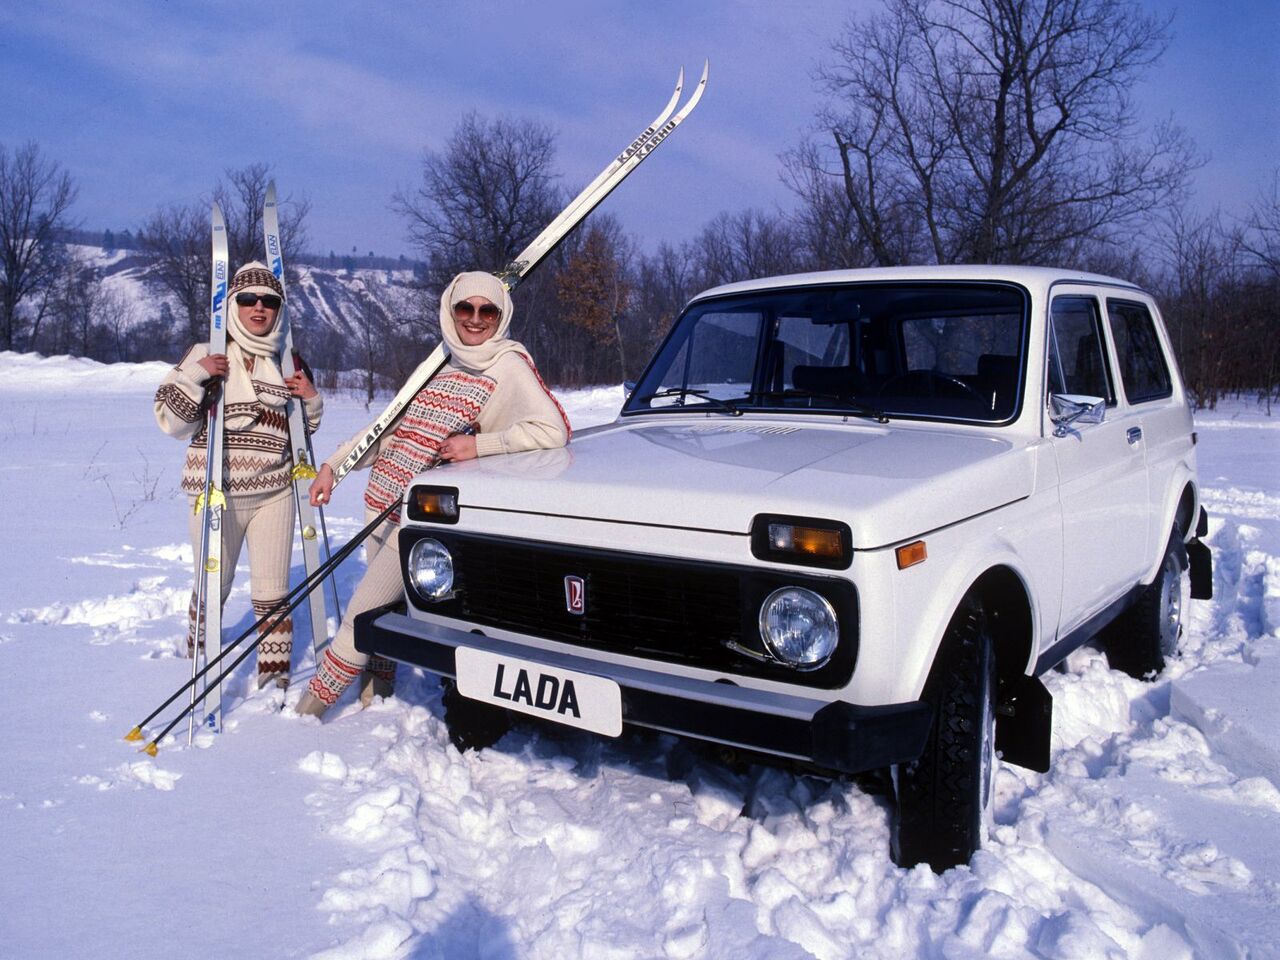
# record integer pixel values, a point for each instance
(212, 501)
(605, 182)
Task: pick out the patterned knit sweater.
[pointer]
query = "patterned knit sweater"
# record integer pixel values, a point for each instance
(255, 460)
(446, 405)
(509, 403)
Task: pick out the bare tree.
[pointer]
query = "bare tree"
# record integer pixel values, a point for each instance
(743, 245)
(241, 199)
(35, 196)
(483, 198)
(665, 282)
(176, 240)
(825, 223)
(991, 130)
(1262, 229)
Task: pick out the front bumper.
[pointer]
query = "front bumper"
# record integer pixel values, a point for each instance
(839, 736)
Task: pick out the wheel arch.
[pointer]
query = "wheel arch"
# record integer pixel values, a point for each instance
(1010, 619)
(1185, 514)
(1007, 604)
(1181, 504)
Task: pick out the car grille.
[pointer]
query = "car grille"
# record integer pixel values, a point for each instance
(671, 610)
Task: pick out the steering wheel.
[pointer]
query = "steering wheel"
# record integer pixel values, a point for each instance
(933, 377)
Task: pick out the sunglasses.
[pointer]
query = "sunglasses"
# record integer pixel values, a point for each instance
(269, 300)
(465, 311)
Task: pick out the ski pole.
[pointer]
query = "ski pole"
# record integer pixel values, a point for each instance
(324, 533)
(333, 581)
(296, 595)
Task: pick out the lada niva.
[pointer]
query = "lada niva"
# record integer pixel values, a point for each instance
(843, 518)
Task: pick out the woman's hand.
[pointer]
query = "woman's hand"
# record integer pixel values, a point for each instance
(322, 486)
(215, 364)
(301, 386)
(458, 447)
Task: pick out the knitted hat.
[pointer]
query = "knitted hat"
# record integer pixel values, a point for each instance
(254, 277)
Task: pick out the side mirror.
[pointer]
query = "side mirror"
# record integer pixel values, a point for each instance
(628, 387)
(1068, 408)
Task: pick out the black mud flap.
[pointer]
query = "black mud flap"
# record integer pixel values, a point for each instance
(1024, 722)
(1201, 562)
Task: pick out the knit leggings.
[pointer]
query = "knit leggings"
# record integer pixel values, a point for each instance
(382, 584)
(266, 521)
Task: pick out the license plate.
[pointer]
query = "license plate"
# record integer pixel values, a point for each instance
(565, 696)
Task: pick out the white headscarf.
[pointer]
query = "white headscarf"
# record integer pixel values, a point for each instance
(266, 384)
(477, 283)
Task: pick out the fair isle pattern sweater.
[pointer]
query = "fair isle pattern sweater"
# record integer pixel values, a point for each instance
(449, 403)
(520, 414)
(256, 460)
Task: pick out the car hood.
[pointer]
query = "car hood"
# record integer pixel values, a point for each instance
(889, 483)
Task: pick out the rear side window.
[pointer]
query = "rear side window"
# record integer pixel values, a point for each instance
(1143, 371)
(1077, 355)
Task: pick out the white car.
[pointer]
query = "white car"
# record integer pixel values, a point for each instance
(844, 518)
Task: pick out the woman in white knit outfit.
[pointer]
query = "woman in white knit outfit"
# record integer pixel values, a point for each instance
(256, 452)
(489, 383)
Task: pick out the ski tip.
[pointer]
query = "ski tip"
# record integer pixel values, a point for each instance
(134, 735)
(706, 69)
(150, 749)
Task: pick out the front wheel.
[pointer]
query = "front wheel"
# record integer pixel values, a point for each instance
(1141, 640)
(944, 797)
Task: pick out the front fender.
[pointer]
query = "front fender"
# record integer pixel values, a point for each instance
(920, 601)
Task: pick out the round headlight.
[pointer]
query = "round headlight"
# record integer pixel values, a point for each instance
(799, 627)
(431, 568)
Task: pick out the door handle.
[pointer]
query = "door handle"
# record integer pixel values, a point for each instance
(1133, 435)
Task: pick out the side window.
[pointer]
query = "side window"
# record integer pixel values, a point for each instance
(1077, 354)
(1143, 371)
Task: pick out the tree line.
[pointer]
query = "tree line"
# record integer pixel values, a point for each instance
(953, 131)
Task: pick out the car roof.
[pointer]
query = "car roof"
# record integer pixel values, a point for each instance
(1032, 277)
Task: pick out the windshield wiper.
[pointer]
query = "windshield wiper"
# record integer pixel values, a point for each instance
(716, 403)
(854, 407)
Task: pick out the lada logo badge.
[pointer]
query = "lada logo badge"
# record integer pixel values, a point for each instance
(575, 595)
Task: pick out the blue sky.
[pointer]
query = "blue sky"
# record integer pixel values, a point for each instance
(147, 103)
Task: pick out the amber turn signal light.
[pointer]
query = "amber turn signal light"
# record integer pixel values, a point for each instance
(433, 504)
(814, 543)
(911, 554)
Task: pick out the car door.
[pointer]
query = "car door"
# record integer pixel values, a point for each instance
(1101, 466)
(1150, 386)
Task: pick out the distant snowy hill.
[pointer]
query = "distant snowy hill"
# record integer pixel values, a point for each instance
(325, 299)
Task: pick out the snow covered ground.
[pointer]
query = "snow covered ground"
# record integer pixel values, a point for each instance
(1156, 834)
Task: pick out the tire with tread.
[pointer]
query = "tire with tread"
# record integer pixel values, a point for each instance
(943, 797)
(1141, 639)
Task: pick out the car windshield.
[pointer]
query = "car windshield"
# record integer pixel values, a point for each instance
(944, 351)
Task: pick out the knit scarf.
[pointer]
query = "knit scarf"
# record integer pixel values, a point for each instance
(265, 385)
